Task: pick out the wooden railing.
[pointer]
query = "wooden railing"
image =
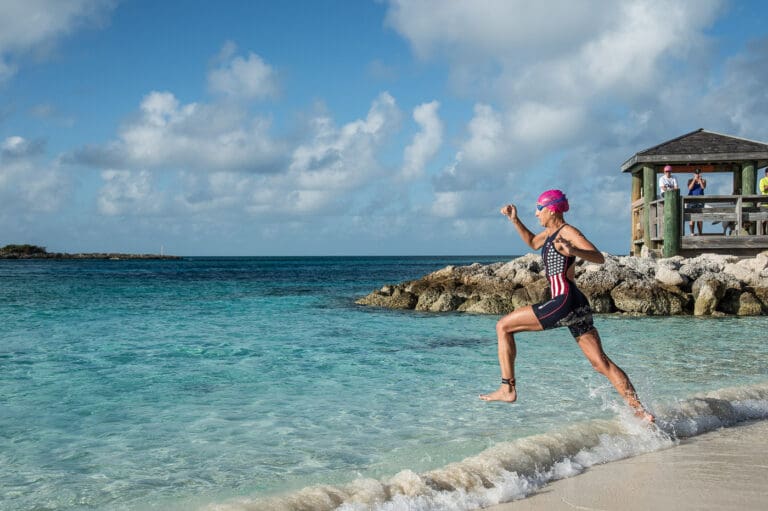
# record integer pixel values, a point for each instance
(745, 216)
(739, 210)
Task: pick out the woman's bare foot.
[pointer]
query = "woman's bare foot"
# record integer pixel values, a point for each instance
(506, 393)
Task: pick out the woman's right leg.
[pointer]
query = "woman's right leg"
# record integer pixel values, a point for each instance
(519, 320)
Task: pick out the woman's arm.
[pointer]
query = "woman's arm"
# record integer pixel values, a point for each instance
(571, 242)
(535, 241)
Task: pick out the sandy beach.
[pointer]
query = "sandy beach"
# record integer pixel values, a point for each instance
(723, 470)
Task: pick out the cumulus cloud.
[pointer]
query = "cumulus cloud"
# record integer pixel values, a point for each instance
(425, 143)
(486, 131)
(497, 28)
(167, 134)
(319, 176)
(239, 77)
(19, 147)
(128, 193)
(552, 80)
(27, 185)
(343, 158)
(28, 26)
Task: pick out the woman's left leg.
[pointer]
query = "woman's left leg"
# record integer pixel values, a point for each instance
(519, 320)
(590, 344)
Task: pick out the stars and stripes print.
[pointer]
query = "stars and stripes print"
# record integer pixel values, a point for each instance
(556, 266)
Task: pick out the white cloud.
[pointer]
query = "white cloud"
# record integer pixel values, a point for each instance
(497, 27)
(486, 132)
(344, 158)
(319, 177)
(243, 78)
(19, 147)
(128, 193)
(34, 25)
(225, 162)
(553, 77)
(195, 136)
(26, 185)
(425, 143)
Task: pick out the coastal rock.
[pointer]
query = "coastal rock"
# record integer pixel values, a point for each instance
(643, 297)
(705, 285)
(427, 299)
(749, 271)
(486, 305)
(749, 305)
(761, 294)
(390, 297)
(707, 292)
(446, 302)
(670, 276)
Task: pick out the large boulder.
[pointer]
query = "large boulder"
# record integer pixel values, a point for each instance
(644, 297)
(446, 302)
(668, 273)
(708, 290)
(749, 305)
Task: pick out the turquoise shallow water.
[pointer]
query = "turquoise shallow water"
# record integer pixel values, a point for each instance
(217, 383)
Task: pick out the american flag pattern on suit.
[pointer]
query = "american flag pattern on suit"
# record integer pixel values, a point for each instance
(567, 305)
(556, 267)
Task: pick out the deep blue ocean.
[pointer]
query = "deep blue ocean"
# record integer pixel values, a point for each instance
(258, 383)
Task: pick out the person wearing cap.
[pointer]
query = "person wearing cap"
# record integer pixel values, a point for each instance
(696, 186)
(667, 181)
(560, 244)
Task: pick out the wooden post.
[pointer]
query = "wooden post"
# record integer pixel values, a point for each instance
(748, 187)
(637, 194)
(672, 223)
(649, 194)
(748, 178)
(736, 180)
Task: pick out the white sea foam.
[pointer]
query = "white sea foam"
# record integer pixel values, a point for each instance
(513, 470)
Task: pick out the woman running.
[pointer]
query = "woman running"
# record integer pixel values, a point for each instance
(560, 244)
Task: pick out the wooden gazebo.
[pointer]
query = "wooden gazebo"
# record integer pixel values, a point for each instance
(658, 224)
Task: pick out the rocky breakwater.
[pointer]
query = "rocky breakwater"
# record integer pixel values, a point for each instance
(705, 285)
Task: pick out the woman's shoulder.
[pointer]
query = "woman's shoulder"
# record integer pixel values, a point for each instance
(568, 229)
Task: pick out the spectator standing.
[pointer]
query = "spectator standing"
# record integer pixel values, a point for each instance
(667, 181)
(696, 186)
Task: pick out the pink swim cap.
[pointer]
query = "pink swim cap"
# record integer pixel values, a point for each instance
(554, 200)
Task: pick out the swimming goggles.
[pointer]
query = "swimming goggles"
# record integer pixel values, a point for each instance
(539, 207)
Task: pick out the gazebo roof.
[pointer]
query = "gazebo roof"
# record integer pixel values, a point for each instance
(700, 146)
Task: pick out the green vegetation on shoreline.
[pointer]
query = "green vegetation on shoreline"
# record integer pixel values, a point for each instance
(35, 252)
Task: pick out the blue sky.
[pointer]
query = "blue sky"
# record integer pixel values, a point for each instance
(352, 127)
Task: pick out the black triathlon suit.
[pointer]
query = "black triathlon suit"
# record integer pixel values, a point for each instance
(568, 306)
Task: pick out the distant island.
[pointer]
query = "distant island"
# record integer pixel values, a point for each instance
(36, 252)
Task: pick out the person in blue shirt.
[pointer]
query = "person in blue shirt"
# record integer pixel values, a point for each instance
(696, 186)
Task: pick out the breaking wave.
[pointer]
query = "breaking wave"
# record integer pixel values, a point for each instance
(513, 470)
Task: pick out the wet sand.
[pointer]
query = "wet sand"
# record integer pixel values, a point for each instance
(724, 470)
